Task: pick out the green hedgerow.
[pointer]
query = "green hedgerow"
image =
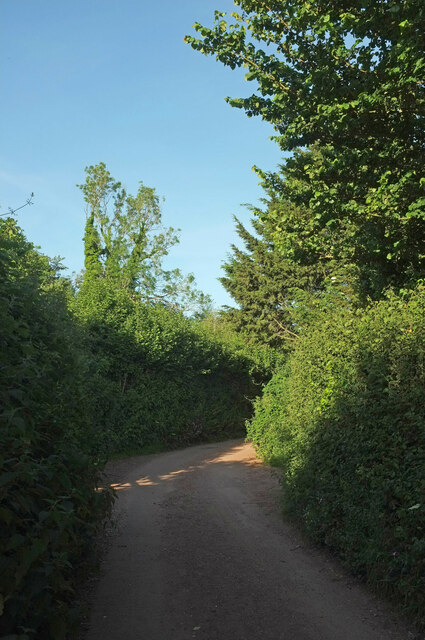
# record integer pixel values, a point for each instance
(345, 420)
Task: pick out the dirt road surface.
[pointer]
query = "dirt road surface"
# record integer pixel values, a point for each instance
(201, 551)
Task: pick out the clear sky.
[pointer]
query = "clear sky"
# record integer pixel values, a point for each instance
(85, 81)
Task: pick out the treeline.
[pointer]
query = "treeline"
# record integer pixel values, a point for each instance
(331, 273)
(103, 366)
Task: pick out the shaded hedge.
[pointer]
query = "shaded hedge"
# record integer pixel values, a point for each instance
(158, 377)
(48, 507)
(345, 420)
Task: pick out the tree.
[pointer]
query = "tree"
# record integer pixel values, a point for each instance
(124, 237)
(125, 242)
(262, 281)
(336, 262)
(345, 78)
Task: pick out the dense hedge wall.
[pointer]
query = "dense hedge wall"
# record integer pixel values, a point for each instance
(48, 507)
(345, 420)
(158, 377)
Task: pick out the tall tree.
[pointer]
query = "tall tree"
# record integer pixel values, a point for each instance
(92, 249)
(124, 233)
(263, 282)
(126, 242)
(346, 78)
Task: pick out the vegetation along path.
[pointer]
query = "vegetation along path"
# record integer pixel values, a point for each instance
(201, 551)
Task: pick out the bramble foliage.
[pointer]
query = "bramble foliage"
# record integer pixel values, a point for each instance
(345, 420)
(49, 509)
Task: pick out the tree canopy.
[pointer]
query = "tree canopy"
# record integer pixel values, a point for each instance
(125, 241)
(347, 79)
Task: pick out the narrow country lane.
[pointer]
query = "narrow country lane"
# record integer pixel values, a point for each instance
(201, 551)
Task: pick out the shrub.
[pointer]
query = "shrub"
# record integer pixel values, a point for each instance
(82, 377)
(345, 420)
(158, 377)
(48, 507)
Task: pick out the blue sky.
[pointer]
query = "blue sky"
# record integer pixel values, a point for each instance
(86, 81)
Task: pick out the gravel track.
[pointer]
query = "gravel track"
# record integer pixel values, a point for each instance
(201, 551)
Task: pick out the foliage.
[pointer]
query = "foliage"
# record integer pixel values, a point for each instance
(157, 376)
(84, 376)
(344, 81)
(342, 84)
(262, 280)
(345, 421)
(325, 256)
(49, 509)
(263, 360)
(125, 242)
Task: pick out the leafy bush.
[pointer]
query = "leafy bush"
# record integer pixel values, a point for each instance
(48, 506)
(345, 420)
(158, 377)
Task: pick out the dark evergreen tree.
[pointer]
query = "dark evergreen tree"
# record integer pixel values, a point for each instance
(263, 282)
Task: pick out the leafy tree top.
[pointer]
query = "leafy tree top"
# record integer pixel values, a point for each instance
(326, 69)
(125, 241)
(346, 81)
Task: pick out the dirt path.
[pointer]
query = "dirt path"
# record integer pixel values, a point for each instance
(201, 551)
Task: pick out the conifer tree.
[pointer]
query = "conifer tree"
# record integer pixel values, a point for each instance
(263, 282)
